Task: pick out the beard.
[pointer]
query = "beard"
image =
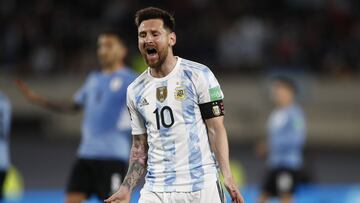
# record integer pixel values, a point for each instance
(162, 55)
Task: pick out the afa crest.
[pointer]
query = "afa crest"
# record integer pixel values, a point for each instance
(180, 93)
(216, 110)
(161, 93)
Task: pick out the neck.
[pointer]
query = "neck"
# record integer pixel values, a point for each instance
(165, 68)
(112, 68)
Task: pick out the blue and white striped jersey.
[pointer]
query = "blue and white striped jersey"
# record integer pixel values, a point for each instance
(5, 120)
(286, 137)
(167, 109)
(106, 123)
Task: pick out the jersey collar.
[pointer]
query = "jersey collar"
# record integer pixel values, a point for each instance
(174, 70)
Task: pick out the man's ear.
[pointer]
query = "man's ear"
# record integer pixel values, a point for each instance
(172, 39)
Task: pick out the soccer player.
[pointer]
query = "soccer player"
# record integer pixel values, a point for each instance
(285, 143)
(5, 120)
(177, 114)
(105, 144)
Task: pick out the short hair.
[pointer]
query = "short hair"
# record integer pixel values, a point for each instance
(155, 13)
(113, 33)
(288, 82)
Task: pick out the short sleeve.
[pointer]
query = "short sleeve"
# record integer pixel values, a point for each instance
(80, 96)
(208, 88)
(137, 121)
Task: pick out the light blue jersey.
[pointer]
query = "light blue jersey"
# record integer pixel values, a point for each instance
(5, 120)
(167, 110)
(106, 124)
(286, 138)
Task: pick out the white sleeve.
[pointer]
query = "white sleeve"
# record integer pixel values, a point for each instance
(208, 88)
(137, 121)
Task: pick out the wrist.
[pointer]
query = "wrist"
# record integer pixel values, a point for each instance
(126, 187)
(227, 174)
(228, 178)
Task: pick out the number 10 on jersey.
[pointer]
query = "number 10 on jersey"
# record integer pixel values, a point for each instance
(160, 117)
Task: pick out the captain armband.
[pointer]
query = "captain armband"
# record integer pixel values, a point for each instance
(212, 109)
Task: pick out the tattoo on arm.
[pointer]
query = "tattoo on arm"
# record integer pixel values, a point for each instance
(138, 161)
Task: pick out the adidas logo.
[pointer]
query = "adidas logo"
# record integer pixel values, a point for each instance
(144, 103)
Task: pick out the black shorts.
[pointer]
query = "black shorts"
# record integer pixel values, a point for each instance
(2, 181)
(281, 181)
(96, 177)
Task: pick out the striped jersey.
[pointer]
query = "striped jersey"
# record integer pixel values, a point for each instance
(286, 135)
(167, 109)
(5, 120)
(106, 123)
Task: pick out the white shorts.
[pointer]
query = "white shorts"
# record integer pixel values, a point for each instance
(211, 194)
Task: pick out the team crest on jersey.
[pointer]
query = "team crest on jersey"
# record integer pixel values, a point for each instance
(180, 93)
(161, 93)
(216, 110)
(115, 84)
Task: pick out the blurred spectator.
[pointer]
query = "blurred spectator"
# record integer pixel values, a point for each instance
(243, 43)
(230, 34)
(43, 59)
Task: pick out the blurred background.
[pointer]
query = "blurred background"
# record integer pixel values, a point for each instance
(51, 44)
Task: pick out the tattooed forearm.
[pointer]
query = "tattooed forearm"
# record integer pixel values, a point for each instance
(135, 173)
(138, 159)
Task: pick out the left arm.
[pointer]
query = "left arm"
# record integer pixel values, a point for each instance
(210, 101)
(220, 147)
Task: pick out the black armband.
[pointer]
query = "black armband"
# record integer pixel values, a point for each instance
(212, 109)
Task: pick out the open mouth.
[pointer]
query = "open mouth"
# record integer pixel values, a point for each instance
(151, 51)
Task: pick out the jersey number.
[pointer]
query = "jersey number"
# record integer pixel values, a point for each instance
(160, 117)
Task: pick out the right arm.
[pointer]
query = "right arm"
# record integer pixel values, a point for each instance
(56, 106)
(136, 171)
(138, 154)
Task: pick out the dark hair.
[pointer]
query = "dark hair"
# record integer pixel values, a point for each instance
(288, 82)
(113, 33)
(155, 13)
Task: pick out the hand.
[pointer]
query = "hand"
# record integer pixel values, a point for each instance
(25, 89)
(233, 190)
(121, 196)
(261, 150)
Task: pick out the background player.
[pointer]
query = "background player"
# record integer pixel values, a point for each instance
(104, 149)
(5, 120)
(285, 143)
(176, 110)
